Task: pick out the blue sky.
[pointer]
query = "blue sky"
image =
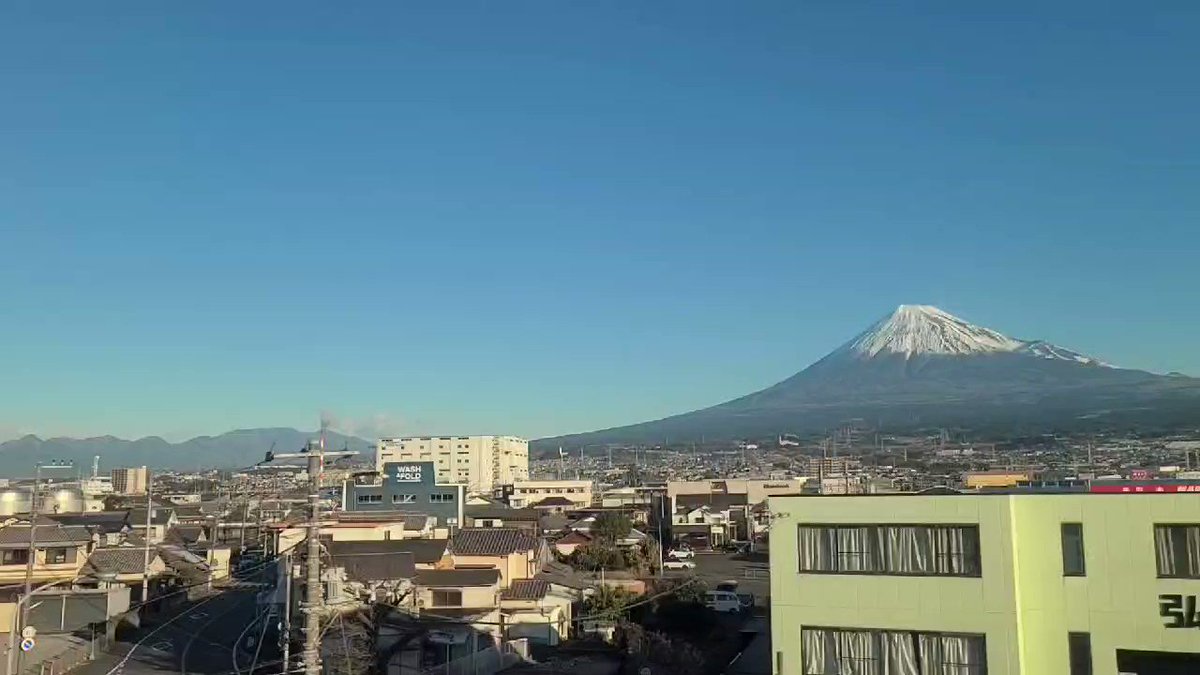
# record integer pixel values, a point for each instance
(544, 217)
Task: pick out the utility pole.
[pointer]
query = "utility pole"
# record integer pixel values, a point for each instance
(146, 554)
(313, 596)
(31, 555)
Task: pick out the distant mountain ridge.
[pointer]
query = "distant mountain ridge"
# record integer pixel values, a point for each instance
(234, 449)
(921, 367)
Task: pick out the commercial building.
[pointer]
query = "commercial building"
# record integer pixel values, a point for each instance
(738, 490)
(986, 584)
(530, 492)
(406, 488)
(478, 462)
(995, 478)
(131, 480)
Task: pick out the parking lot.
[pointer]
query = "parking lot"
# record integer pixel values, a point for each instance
(715, 568)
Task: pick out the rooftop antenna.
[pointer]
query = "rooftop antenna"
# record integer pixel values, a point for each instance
(562, 463)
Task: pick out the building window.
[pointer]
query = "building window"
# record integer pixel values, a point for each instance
(1177, 549)
(56, 556)
(917, 550)
(404, 499)
(447, 598)
(369, 499)
(1079, 650)
(833, 651)
(1072, 550)
(441, 497)
(16, 556)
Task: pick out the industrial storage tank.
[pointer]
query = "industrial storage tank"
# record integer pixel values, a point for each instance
(62, 500)
(14, 501)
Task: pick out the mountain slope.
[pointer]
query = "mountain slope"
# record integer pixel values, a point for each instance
(229, 450)
(923, 367)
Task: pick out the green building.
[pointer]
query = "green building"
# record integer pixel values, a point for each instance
(1002, 584)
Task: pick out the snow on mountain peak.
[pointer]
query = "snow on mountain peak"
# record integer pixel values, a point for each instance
(924, 329)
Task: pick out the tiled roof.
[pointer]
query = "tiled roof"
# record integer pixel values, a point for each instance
(563, 575)
(574, 537)
(117, 560)
(184, 534)
(457, 578)
(526, 589)
(161, 516)
(501, 513)
(102, 521)
(552, 501)
(424, 551)
(492, 541)
(371, 560)
(17, 534)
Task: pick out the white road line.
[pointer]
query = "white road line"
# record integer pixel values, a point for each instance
(122, 662)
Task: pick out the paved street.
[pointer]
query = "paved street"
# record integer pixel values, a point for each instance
(714, 568)
(196, 638)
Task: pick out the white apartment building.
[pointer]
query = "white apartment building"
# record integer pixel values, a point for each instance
(130, 480)
(529, 492)
(478, 462)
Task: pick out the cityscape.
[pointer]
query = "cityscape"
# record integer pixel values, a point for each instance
(599, 339)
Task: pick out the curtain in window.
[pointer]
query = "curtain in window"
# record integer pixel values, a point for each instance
(815, 550)
(952, 655)
(951, 545)
(899, 654)
(854, 549)
(819, 652)
(1192, 541)
(858, 653)
(908, 549)
(1166, 552)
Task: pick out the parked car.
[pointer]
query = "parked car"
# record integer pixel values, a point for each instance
(681, 553)
(676, 564)
(727, 601)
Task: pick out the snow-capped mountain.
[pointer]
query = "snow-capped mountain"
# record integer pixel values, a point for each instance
(923, 330)
(922, 367)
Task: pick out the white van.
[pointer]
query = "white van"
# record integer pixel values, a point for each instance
(723, 601)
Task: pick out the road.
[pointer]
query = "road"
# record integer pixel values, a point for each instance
(194, 639)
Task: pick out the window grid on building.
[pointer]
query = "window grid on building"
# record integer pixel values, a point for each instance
(901, 550)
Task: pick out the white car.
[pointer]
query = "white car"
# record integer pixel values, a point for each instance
(678, 565)
(681, 553)
(727, 601)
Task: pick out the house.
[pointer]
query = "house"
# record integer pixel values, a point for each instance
(109, 527)
(368, 571)
(568, 543)
(162, 518)
(515, 553)
(539, 610)
(469, 595)
(503, 516)
(553, 505)
(191, 537)
(60, 550)
(355, 526)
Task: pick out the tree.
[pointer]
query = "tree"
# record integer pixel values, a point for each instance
(611, 526)
(597, 555)
(608, 600)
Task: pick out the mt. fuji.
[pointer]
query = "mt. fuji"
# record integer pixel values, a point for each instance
(921, 367)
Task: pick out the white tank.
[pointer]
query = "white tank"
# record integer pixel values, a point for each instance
(14, 501)
(62, 500)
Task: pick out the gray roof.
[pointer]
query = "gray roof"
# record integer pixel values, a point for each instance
(185, 534)
(101, 521)
(526, 589)
(552, 501)
(424, 551)
(17, 534)
(563, 575)
(501, 513)
(715, 501)
(161, 516)
(118, 560)
(371, 560)
(456, 578)
(492, 541)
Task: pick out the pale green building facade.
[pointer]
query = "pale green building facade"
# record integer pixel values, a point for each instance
(1003, 584)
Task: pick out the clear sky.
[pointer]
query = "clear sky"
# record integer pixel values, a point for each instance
(545, 217)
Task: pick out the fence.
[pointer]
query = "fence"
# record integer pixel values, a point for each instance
(486, 661)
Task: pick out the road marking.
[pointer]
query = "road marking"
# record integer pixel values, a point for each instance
(129, 654)
(196, 636)
(164, 646)
(262, 616)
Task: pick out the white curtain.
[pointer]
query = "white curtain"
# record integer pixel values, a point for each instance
(1166, 552)
(1193, 551)
(899, 654)
(854, 549)
(814, 545)
(908, 549)
(858, 653)
(818, 652)
(954, 550)
(952, 655)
